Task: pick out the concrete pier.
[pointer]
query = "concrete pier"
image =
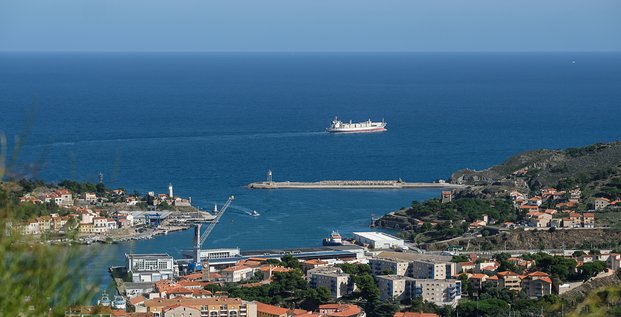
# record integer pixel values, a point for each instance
(351, 184)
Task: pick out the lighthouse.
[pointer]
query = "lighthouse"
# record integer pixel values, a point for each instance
(170, 190)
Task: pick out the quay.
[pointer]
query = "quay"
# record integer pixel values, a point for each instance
(352, 184)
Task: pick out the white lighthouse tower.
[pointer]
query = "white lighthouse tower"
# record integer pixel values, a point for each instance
(170, 190)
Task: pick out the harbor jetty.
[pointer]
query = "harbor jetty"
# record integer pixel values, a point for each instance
(352, 184)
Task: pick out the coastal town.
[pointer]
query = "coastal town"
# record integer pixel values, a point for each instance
(370, 272)
(398, 270)
(231, 280)
(85, 217)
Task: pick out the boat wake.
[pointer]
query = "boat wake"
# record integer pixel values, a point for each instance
(214, 137)
(249, 212)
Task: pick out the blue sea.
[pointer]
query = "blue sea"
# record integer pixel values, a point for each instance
(211, 123)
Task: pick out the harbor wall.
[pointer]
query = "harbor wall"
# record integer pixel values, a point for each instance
(351, 184)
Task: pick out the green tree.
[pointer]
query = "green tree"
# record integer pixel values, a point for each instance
(578, 253)
(460, 258)
(312, 298)
(290, 261)
(591, 269)
(367, 289)
(355, 269)
(418, 305)
(273, 262)
(492, 307)
(213, 288)
(387, 272)
(465, 284)
(379, 308)
(557, 266)
(100, 188)
(37, 279)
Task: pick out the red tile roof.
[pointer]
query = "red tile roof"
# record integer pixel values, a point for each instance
(341, 310)
(235, 268)
(478, 276)
(413, 314)
(507, 273)
(271, 309)
(137, 300)
(538, 273)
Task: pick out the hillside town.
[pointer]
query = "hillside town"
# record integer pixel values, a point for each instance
(109, 214)
(343, 278)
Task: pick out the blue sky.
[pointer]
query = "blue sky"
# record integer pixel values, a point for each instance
(310, 25)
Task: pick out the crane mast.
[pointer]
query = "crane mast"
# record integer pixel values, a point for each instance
(199, 238)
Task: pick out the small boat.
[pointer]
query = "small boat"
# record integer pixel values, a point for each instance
(254, 213)
(119, 303)
(334, 239)
(104, 300)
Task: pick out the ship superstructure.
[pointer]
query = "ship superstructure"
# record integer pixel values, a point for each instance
(339, 126)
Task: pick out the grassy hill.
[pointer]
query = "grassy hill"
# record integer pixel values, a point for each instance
(605, 301)
(596, 169)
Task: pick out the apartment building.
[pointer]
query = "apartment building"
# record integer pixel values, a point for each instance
(331, 278)
(237, 273)
(208, 307)
(380, 266)
(439, 292)
(510, 280)
(537, 284)
(432, 269)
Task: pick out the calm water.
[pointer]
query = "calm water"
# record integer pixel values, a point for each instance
(211, 123)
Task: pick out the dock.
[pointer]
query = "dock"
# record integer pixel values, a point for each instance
(352, 184)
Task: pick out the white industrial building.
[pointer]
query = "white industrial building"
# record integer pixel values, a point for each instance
(379, 240)
(150, 267)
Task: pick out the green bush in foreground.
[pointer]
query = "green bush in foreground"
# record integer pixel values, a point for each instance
(35, 279)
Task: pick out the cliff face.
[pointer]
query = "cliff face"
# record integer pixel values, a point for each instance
(591, 166)
(534, 240)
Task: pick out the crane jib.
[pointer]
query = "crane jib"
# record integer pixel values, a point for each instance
(214, 221)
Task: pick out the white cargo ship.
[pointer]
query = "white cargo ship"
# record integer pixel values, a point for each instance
(339, 126)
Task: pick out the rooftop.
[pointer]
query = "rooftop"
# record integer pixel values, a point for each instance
(271, 309)
(152, 256)
(375, 235)
(408, 256)
(392, 277)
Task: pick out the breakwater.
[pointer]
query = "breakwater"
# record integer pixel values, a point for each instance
(352, 184)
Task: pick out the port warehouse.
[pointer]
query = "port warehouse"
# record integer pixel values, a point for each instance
(221, 258)
(153, 267)
(379, 240)
(218, 258)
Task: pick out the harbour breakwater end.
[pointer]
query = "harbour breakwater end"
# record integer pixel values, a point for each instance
(352, 184)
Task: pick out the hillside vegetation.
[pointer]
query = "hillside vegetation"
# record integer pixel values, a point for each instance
(596, 169)
(477, 212)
